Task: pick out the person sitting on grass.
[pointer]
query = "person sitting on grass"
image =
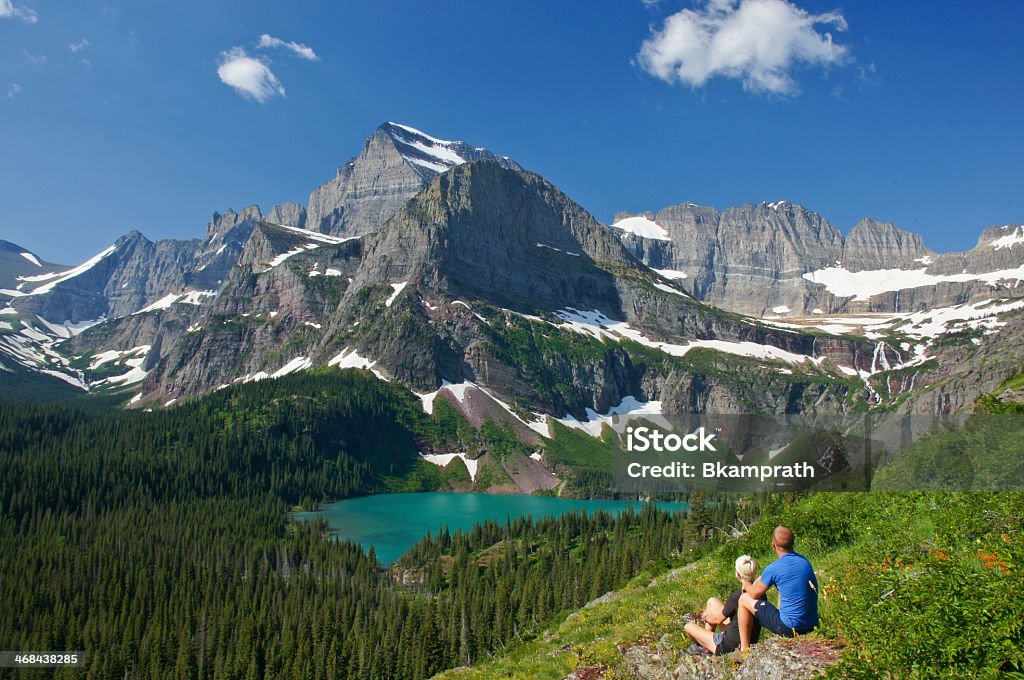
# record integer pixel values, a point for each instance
(794, 578)
(718, 615)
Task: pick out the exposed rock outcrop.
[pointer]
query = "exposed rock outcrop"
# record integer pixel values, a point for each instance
(396, 162)
(778, 259)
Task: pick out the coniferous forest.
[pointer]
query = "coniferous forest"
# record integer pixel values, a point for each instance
(160, 543)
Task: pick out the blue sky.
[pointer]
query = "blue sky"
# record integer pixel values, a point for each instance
(113, 116)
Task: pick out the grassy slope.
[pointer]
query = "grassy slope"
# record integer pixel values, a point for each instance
(924, 585)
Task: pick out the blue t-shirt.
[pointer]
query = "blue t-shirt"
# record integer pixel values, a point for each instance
(794, 578)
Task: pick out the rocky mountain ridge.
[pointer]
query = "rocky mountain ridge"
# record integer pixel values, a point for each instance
(781, 259)
(433, 262)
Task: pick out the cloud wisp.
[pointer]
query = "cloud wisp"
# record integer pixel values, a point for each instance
(12, 90)
(248, 76)
(79, 46)
(8, 10)
(300, 50)
(757, 42)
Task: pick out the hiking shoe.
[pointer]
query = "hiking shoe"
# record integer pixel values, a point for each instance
(693, 617)
(697, 650)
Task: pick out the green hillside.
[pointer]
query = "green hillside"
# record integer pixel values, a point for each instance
(917, 584)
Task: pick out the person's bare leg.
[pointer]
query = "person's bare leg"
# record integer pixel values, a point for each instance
(745, 619)
(713, 612)
(702, 636)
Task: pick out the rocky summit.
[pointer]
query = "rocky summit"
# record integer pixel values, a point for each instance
(435, 263)
(396, 162)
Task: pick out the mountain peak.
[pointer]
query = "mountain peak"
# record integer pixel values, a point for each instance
(426, 152)
(423, 150)
(395, 163)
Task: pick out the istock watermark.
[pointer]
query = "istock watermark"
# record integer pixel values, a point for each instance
(642, 439)
(860, 452)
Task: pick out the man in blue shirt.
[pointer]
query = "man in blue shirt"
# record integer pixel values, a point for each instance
(793, 576)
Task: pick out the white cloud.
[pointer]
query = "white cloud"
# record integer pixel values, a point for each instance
(12, 90)
(8, 10)
(77, 47)
(248, 76)
(34, 59)
(755, 41)
(304, 51)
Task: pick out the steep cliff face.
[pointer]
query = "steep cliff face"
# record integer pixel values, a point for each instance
(509, 237)
(395, 163)
(780, 259)
(879, 245)
(292, 214)
(752, 256)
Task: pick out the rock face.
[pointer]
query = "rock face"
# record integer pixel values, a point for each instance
(136, 272)
(509, 237)
(779, 258)
(16, 261)
(396, 162)
(292, 214)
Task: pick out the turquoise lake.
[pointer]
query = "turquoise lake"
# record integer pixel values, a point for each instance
(393, 523)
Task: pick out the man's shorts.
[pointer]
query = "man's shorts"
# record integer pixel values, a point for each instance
(769, 617)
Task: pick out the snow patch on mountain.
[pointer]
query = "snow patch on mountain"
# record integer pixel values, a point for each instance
(930, 324)
(670, 274)
(32, 258)
(443, 459)
(398, 288)
(116, 355)
(629, 407)
(136, 372)
(669, 289)
(539, 422)
(1014, 238)
(56, 278)
(421, 149)
(643, 227)
(69, 329)
(557, 250)
(316, 235)
(864, 285)
(294, 251)
(296, 364)
(595, 324)
(351, 359)
(188, 297)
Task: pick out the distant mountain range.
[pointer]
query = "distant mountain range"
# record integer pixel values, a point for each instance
(455, 271)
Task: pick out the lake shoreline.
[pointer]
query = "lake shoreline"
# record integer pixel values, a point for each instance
(393, 522)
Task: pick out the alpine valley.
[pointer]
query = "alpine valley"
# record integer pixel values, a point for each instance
(438, 318)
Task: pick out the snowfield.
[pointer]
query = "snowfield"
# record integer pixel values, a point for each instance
(595, 324)
(629, 407)
(866, 284)
(643, 227)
